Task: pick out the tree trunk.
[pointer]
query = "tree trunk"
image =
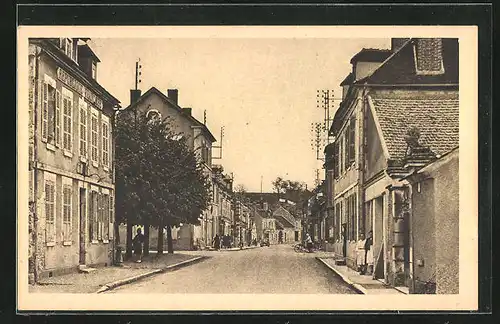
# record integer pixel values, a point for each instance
(159, 248)
(145, 251)
(170, 246)
(128, 254)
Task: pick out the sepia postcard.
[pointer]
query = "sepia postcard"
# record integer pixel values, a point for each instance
(247, 168)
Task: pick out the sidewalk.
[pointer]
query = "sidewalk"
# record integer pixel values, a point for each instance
(362, 283)
(110, 277)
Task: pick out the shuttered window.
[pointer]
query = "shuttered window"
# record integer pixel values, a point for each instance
(83, 128)
(58, 118)
(352, 140)
(93, 221)
(67, 197)
(50, 210)
(94, 124)
(67, 122)
(105, 144)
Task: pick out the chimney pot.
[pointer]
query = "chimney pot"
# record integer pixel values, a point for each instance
(187, 110)
(173, 94)
(134, 95)
(396, 43)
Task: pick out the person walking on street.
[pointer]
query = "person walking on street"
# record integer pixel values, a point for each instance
(137, 244)
(309, 242)
(217, 242)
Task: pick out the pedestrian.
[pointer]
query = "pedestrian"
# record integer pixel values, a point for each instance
(137, 244)
(361, 254)
(369, 253)
(309, 242)
(216, 242)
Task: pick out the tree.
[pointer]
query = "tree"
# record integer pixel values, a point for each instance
(160, 182)
(295, 191)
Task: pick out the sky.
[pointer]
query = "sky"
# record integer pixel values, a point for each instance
(263, 91)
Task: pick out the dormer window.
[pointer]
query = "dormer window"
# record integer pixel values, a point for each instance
(68, 45)
(94, 70)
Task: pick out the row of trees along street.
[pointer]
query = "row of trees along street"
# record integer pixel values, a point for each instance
(159, 180)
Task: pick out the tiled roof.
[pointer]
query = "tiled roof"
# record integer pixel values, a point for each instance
(371, 55)
(175, 106)
(435, 117)
(348, 79)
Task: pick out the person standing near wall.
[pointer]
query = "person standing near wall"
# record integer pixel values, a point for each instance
(361, 254)
(369, 253)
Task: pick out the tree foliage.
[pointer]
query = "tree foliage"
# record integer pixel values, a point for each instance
(295, 191)
(159, 180)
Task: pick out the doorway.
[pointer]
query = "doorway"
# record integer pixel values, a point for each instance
(83, 214)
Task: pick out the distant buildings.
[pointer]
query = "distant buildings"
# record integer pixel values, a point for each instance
(398, 117)
(71, 168)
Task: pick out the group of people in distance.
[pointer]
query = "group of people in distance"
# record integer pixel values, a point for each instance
(222, 242)
(364, 259)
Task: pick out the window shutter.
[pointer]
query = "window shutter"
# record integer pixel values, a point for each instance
(45, 110)
(58, 118)
(352, 140)
(70, 124)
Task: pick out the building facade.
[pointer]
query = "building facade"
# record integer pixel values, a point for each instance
(434, 218)
(199, 139)
(71, 159)
(399, 97)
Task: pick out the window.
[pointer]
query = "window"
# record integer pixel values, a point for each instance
(50, 210)
(99, 216)
(93, 225)
(83, 128)
(51, 99)
(341, 155)
(351, 214)
(67, 101)
(205, 153)
(69, 47)
(346, 148)
(94, 70)
(105, 143)
(105, 217)
(336, 169)
(94, 137)
(111, 215)
(352, 140)
(67, 192)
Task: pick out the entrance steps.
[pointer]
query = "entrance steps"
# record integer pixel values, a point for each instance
(82, 268)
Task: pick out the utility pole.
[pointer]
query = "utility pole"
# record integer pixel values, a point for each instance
(137, 73)
(261, 184)
(219, 146)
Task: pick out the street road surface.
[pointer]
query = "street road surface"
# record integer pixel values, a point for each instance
(264, 270)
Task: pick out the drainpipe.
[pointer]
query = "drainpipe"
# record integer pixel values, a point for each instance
(34, 166)
(361, 161)
(411, 243)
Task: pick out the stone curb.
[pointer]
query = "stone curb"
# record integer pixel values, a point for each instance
(360, 289)
(125, 281)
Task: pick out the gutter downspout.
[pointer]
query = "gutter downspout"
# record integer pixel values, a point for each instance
(34, 165)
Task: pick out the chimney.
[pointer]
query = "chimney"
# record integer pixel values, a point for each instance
(134, 95)
(174, 95)
(396, 43)
(429, 55)
(187, 111)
